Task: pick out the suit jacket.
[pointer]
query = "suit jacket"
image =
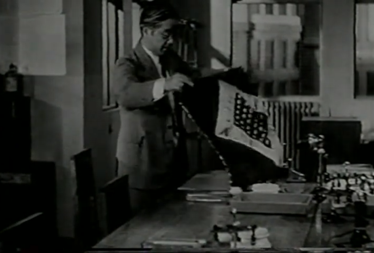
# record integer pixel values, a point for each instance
(145, 142)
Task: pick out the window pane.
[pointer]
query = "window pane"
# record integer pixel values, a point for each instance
(269, 9)
(370, 83)
(269, 54)
(254, 8)
(282, 88)
(284, 53)
(268, 89)
(282, 48)
(282, 9)
(364, 32)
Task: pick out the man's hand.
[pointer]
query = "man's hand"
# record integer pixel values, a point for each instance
(176, 82)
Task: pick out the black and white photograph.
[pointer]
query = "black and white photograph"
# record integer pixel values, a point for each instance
(186, 126)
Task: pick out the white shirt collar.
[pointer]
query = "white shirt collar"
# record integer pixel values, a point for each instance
(155, 58)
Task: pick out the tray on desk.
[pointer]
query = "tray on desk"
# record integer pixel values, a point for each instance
(217, 181)
(273, 203)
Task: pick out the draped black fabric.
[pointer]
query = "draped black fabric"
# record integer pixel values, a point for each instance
(202, 100)
(247, 166)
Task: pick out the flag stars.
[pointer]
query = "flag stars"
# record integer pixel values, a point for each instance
(252, 122)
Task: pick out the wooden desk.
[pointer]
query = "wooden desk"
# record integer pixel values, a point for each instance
(181, 219)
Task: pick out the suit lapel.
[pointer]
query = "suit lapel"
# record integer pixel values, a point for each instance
(166, 61)
(150, 69)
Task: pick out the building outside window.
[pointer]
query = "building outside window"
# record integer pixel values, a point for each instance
(364, 32)
(281, 45)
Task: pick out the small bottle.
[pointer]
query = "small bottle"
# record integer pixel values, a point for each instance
(13, 87)
(13, 81)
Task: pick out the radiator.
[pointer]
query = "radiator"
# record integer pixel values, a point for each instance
(286, 118)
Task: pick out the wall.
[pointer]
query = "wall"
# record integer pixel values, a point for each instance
(57, 109)
(67, 110)
(8, 33)
(57, 106)
(67, 113)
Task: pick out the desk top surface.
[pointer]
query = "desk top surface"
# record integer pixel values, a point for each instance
(179, 219)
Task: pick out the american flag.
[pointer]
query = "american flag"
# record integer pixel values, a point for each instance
(242, 118)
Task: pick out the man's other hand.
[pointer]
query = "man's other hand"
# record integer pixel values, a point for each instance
(176, 82)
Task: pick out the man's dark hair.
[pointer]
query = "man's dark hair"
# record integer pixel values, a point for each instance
(153, 13)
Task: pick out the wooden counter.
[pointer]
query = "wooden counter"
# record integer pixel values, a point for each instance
(181, 219)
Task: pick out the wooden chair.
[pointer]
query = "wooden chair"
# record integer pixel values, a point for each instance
(115, 195)
(27, 233)
(28, 207)
(87, 231)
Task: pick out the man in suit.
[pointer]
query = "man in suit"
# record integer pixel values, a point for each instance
(146, 85)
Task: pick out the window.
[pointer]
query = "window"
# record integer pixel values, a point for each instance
(364, 80)
(269, 53)
(283, 53)
(282, 9)
(269, 9)
(112, 45)
(283, 46)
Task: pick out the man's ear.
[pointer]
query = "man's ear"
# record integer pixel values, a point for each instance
(147, 31)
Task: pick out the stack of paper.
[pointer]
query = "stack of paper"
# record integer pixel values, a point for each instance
(245, 239)
(266, 188)
(261, 235)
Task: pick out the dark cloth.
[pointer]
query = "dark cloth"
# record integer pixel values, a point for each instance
(143, 198)
(145, 143)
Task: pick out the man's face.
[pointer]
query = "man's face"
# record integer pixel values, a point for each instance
(161, 38)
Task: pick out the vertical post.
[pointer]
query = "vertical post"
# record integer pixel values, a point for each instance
(105, 52)
(337, 56)
(127, 27)
(220, 31)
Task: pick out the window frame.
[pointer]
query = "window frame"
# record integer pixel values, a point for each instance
(122, 35)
